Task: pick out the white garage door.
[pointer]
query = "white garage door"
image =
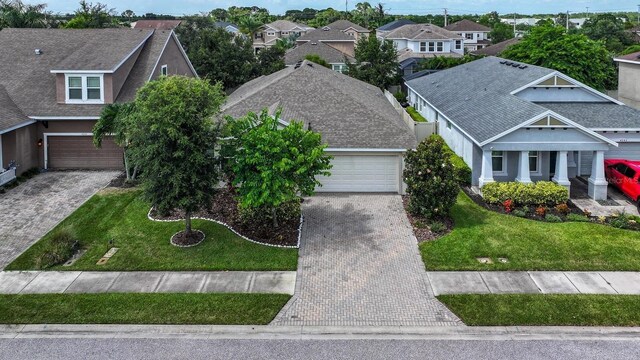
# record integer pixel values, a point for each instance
(361, 173)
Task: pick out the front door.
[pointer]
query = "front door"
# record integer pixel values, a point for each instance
(552, 163)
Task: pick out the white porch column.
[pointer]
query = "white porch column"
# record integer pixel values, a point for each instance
(561, 177)
(523, 168)
(486, 173)
(597, 180)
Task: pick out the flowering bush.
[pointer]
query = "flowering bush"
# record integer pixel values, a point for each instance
(541, 210)
(431, 181)
(508, 205)
(563, 209)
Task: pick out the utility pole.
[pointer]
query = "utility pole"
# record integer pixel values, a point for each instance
(346, 7)
(445, 16)
(567, 20)
(639, 14)
(514, 24)
(587, 12)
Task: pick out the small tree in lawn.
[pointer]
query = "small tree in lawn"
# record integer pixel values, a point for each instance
(175, 138)
(274, 166)
(118, 120)
(430, 178)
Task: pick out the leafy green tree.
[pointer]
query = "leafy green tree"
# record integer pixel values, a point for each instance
(118, 120)
(92, 16)
(376, 62)
(219, 14)
(175, 138)
(250, 25)
(501, 32)
(325, 17)
(128, 15)
(631, 49)
(217, 54)
(318, 60)
(17, 14)
(576, 55)
(431, 181)
(609, 29)
(270, 60)
(490, 19)
(444, 62)
(273, 166)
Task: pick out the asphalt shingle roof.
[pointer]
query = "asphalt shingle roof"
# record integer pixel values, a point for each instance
(635, 57)
(343, 25)
(496, 49)
(395, 24)
(347, 112)
(421, 32)
(467, 25)
(286, 25)
(326, 35)
(598, 115)
(157, 24)
(326, 52)
(10, 113)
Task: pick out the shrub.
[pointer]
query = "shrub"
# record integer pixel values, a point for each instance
(415, 115)
(461, 169)
(508, 205)
(437, 227)
(541, 210)
(263, 216)
(621, 221)
(563, 209)
(401, 97)
(586, 212)
(60, 248)
(519, 213)
(577, 218)
(431, 183)
(552, 218)
(540, 193)
(525, 209)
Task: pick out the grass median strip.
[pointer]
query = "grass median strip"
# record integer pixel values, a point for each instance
(545, 310)
(191, 309)
(529, 244)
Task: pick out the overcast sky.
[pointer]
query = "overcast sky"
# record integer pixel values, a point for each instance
(181, 7)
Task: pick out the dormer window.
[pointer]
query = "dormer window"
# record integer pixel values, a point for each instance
(84, 88)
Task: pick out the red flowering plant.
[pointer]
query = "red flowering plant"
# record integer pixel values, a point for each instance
(508, 206)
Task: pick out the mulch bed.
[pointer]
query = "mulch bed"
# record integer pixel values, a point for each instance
(182, 239)
(224, 208)
(420, 224)
(121, 182)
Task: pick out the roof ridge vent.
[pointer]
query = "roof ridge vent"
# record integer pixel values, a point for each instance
(298, 64)
(38, 52)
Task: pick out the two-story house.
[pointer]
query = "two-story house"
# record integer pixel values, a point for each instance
(415, 42)
(354, 30)
(476, 36)
(269, 33)
(629, 79)
(389, 27)
(54, 84)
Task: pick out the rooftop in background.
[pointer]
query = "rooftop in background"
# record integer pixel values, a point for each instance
(326, 52)
(421, 32)
(343, 25)
(496, 49)
(347, 112)
(157, 24)
(632, 58)
(395, 24)
(326, 34)
(286, 25)
(467, 26)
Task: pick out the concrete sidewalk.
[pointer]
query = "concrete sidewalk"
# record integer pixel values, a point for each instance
(91, 282)
(534, 282)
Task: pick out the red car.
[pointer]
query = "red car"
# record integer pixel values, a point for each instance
(624, 175)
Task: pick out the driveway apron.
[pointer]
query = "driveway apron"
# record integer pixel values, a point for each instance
(32, 209)
(359, 265)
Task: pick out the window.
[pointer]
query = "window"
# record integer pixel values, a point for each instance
(432, 46)
(423, 47)
(285, 33)
(339, 67)
(164, 70)
(534, 160)
(440, 46)
(448, 123)
(469, 36)
(84, 89)
(458, 44)
(498, 161)
(271, 34)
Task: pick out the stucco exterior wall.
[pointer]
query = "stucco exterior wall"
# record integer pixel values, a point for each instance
(347, 47)
(561, 94)
(20, 145)
(629, 84)
(60, 126)
(175, 61)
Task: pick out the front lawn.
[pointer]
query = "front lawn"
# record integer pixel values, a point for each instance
(120, 217)
(545, 310)
(215, 309)
(529, 244)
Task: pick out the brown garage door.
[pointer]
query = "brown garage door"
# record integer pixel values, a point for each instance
(78, 152)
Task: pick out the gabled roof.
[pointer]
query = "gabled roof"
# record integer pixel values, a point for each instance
(629, 58)
(496, 49)
(157, 24)
(10, 113)
(326, 35)
(349, 113)
(395, 24)
(343, 25)
(286, 25)
(326, 52)
(224, 24)
(421, 32)
(31, 86)
(467, 26)
(406, 54)
(479, 98)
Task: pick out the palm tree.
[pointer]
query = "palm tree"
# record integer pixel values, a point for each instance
(249, 25)
(16, 14)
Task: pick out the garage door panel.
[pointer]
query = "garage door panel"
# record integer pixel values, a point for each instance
(361, 173)
(78, 152)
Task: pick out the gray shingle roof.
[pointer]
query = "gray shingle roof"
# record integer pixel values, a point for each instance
(326, 52)
(10, 113)
(467, 25)
(32, 88)
(598, 115)
(347, 112)
(476, 96)
(635, 57)
(286, 25)
(395, 24)
(421, 32)
(496, 49)
(326, 35)
(343, 25)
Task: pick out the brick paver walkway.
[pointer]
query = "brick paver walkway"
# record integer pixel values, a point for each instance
(30, 210)
(359, 265)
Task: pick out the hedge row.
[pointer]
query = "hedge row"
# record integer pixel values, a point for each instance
(539, 193)
(461, 169)
(415, 115)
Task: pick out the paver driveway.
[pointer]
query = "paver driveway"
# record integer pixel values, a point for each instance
(30, 210)
(359, 265)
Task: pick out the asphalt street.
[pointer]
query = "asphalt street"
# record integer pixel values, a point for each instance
(193, 349)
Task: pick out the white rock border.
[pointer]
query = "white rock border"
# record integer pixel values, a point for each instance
(187, 246)
(297, 246)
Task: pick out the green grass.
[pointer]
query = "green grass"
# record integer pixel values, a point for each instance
(415, 115)
(529, 244)
(144, 244)
(545, 310)
(219, 309)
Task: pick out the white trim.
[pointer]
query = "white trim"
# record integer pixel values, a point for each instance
(155, 66)
(164, 70)
(184, 55)
(84, 88)
(363, 150)
(14, 127)
(538, 171)
(46, 143)
(616, 129)
(504, 156)
(64, 117)
(133, 51)
(627, 61)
